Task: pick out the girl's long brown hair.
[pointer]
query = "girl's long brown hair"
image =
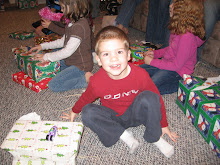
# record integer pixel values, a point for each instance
(188, 15)
(77, 9)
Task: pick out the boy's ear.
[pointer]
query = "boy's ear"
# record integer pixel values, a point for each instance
(129, 55)
(98, 60)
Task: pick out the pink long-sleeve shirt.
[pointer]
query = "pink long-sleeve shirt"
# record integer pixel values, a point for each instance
(180, 55)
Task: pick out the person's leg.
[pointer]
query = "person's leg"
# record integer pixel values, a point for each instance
(146, 110)
(151, 19)
(166, 81)
(68, 79)
(126, 12)
(109, 128)
(100, 120)
(162, 21)
(211, 16)
(150, 69)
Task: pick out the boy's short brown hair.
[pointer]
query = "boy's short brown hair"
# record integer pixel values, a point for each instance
(110, 32)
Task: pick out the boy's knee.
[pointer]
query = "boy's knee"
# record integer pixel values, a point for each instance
(87, 113)
(150, 97)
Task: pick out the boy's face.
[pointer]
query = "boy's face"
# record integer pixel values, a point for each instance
(114, 58)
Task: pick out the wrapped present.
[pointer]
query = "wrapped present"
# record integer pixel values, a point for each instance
(46, 38)
(27, 142)
(26, 4)
(21, 35)
(199, 99)
(37, 70)
(28, 82)
(137, 52)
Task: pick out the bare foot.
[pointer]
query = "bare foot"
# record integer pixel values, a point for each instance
(87, 76)
(120, 26)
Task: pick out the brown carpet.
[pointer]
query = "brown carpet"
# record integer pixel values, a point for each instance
(16, 101)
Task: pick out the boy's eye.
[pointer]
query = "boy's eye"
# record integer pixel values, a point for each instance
(120, 52)
(105, 54)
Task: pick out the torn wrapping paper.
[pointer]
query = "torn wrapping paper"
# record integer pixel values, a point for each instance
(199, 99)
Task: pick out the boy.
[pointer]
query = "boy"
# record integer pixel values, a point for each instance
(128, 95)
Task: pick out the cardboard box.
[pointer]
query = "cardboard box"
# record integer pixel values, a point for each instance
(25, 80)
(27, 142)
(202, 107)
(36, 70)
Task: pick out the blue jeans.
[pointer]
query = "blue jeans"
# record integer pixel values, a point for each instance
(212, 15)
(157, 21)
(145, 109)
(70, 77)
(166, 81)
(126, 12)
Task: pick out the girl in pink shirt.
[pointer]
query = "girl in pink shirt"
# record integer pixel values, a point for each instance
(166, 66)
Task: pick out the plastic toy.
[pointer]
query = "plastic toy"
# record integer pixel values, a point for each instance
(52, 133)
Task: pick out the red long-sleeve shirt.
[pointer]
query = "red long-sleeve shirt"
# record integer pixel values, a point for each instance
(119, 94)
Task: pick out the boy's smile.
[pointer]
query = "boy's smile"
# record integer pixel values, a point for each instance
(114, 58)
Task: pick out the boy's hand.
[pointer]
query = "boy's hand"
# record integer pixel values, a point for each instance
(45, 23)
(173, 136)
(36, 48)
(69, 116)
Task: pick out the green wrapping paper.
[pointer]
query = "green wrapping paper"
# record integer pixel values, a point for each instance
(37, 70)
(26, 4)
(22, 35)
(202, 108)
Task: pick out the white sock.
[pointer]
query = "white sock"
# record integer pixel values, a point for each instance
(165, 147)
(129, 139)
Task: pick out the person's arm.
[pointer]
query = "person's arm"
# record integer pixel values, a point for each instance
(65, 52)
(184, 48)
(56, 28)
(160, 52)
(87, 97)
(59, 43)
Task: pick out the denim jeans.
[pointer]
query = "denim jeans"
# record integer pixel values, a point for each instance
(212, 15)
(70, 77)
(157, 21)
(126, 12)
(145, 109)
(166, 81)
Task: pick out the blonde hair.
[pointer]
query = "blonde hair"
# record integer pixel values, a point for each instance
(188, 15)
(108, 33)
(77, 9)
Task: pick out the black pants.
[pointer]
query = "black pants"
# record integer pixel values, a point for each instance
(145, 109)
